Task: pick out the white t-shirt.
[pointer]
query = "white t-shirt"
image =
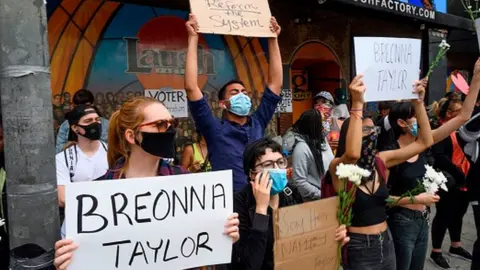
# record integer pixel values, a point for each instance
(85, 168)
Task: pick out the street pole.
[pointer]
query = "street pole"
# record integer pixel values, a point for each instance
(33, 222)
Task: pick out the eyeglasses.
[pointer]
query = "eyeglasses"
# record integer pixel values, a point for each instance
(270, 164)
(162, 125)
(369, 129)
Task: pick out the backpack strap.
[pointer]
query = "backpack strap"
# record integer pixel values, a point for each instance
(104, 146)
(70, 157)
(381, 168)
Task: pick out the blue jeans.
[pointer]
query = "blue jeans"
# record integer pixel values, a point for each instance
(370, 252)
(410, 236)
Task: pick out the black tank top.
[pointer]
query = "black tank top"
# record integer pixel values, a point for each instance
(405, 176)
(370, 209)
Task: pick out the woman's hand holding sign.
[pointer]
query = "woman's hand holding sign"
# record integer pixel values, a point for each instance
(63, 253)
(231, 227)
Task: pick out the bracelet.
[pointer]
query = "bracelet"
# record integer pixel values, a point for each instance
(355, 114)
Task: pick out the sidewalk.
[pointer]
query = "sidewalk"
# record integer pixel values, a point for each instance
(469, 236)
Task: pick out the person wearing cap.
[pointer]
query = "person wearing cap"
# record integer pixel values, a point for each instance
(324, 103)
(80, 97)
(85, 159)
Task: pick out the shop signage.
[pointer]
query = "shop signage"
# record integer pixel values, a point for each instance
(285, 105)
(397, 7)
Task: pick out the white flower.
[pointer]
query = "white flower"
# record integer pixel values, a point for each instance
(469, 7)
(351, 172)
(444, 44)
(432, 180)
(2, 222)
(430, 187)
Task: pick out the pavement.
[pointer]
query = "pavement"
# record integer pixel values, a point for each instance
(469, 236)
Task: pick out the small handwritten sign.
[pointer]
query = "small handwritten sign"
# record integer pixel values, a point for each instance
(168, 222)
(285, 105)
(174, 99)
(389, 65)
(249, 18)
(305, 236)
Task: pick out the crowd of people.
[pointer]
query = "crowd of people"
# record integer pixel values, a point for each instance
(138, 140)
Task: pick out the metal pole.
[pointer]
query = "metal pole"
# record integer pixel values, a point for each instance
(33, 222)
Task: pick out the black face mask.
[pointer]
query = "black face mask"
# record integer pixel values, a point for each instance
(159, 144)
(369, 150)
(92, 132)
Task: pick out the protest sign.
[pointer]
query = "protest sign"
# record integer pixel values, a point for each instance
(389, 65)
(167, 222)
(250, 18)
(285, 105)
(305, 236)
(174, 99)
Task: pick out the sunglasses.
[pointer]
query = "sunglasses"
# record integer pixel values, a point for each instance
(162, 125)
(369, 129)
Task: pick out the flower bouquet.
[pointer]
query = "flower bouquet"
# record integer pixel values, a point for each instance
(350, 175)
(443, 48)
(431, 182)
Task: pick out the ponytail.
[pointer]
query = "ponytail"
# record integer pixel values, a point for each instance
(115, 149)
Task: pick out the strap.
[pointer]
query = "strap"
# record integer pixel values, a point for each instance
(288, 196)
(104, 146)
(381, 168)
(70, 157)
(3, 177)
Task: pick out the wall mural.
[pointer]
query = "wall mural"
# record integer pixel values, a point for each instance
(118, 50)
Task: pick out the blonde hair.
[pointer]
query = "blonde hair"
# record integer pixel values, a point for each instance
(129, 116)
(440, 108)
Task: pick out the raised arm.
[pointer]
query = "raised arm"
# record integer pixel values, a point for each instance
(275, 69)
(424, 140)
(191, 67)
(455, 123)
(353, 144)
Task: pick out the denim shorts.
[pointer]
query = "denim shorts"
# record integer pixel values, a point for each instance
(370, 252)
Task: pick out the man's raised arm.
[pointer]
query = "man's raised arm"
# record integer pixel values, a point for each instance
(191, 67)
(275, 70)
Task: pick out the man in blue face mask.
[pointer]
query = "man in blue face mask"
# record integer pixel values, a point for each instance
(227, 137)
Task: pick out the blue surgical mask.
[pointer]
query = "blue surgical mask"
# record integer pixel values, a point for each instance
(279, 180)
(414, 129)
(240, 104)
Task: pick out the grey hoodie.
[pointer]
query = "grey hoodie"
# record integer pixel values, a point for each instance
(305, 173)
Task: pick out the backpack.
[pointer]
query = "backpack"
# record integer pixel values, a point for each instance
(72, 165)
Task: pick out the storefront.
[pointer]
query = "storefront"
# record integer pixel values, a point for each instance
(120, 49)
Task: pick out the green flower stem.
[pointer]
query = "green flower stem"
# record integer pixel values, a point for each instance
(441, 53)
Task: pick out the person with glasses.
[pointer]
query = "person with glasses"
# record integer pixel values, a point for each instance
(265, 165)
(371, 244)
(311, 155)
(141, 136)
(449, 156)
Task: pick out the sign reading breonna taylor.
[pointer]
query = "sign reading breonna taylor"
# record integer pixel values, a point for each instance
(167, 222)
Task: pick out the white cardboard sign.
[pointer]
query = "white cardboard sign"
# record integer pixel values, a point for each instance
(250, 18)
(285, 105)
(167, 222)
(389, 65)
(174, 99)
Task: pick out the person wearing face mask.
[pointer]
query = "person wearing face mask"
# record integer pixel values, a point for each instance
(265, 165)
(449, 157)
(371, 245)
(85, 158)
(227, 137)
(141, 136)
(409, 222)
(81, 97)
